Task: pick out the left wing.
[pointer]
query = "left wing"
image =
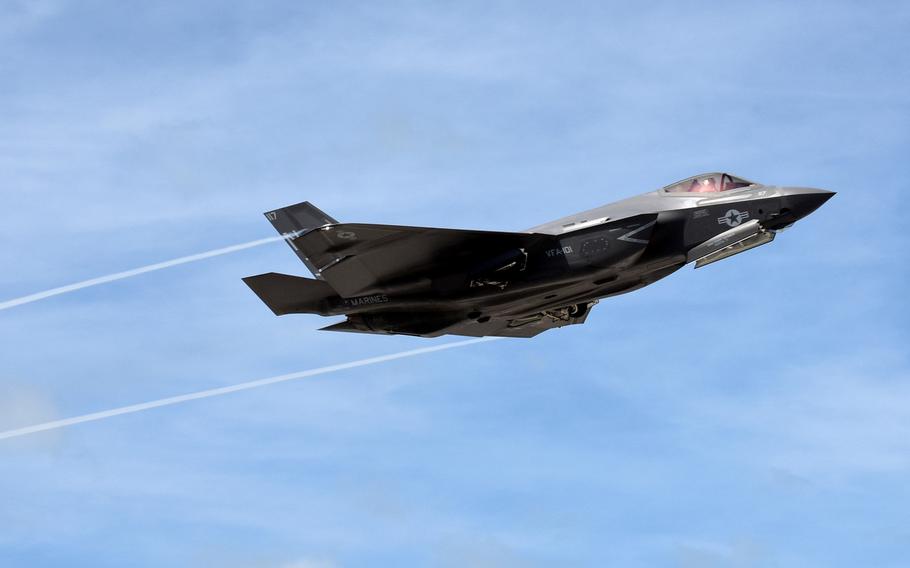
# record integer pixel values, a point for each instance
(357, 259)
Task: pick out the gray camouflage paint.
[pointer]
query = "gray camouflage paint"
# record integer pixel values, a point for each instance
(431, 282)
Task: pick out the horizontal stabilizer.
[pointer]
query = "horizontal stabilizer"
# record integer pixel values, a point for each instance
(286, 294)
(348, 327)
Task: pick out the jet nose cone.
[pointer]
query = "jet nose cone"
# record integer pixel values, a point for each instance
(804, 200)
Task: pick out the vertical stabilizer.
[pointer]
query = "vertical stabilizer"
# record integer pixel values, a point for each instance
(296, 220)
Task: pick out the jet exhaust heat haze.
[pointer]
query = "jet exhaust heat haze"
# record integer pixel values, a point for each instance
(429, 281)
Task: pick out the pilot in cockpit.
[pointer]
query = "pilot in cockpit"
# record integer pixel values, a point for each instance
(705, 185)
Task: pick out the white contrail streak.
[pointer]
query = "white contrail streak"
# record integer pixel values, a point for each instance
(234, 388)
(134, 272)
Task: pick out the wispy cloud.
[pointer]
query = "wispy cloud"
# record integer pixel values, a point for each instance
(753, 412)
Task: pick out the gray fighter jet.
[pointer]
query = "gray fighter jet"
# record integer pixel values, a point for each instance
(429, 282)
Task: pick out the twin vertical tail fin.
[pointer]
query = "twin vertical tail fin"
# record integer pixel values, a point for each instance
(286, 294)
(296, 220)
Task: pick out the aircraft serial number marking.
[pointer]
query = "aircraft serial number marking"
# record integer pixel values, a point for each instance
(559, 251)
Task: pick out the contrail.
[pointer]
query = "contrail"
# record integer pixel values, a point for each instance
(234, 388)
(134, 272)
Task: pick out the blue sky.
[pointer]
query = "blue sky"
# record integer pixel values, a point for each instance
(754, 413)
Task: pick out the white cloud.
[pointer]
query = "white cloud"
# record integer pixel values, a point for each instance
(447, 115)
(22, 405)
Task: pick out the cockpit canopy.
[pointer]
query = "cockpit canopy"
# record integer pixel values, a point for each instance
(708, 183)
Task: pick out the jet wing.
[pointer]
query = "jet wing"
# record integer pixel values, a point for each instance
(442, 323)
(357, 259)
(526, 327)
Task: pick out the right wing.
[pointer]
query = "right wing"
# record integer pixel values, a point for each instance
(436, 324)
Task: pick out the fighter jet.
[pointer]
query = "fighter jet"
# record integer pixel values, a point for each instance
(428, 282)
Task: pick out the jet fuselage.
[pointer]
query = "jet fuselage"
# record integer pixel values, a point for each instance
(551, 275)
